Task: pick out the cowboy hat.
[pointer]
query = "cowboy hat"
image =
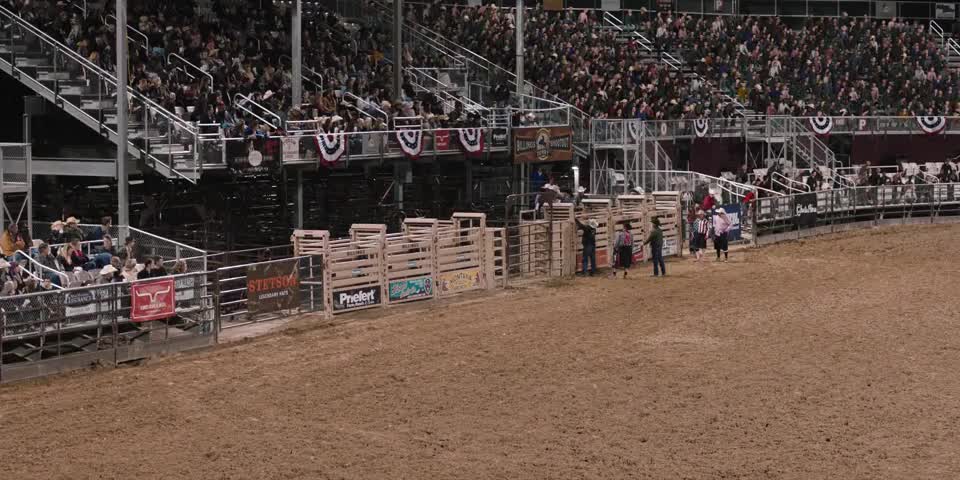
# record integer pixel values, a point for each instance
(57, 225)
(655, 221)
(108, 270)
(4, 263)
(72, 220)
(581, 189)
(593, 223)
(721, 211)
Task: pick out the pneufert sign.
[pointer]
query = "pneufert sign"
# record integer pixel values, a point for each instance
(356, 298)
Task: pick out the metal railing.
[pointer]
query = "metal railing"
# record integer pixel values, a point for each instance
(135, 36)
(231, 287)
(254, 109)
(187, 65)
(100, 82)
(798, 215)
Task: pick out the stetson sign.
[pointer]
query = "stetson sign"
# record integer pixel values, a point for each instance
(554, 144)
(273, 286)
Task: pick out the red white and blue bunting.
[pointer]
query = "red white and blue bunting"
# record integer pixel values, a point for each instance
(821, 125)
(932, 125)
(472, 140)
(331, 146)
(701, 127)
(411, 142)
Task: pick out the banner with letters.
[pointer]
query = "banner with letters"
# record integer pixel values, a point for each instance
(355, 298)
(499, 137)
(411, 289)
(273, 286)
(806, 210)
(532, 145)
(459, 281)
(733, 214)
(153, 300)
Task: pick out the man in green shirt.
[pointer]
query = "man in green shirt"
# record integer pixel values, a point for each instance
(655, 240)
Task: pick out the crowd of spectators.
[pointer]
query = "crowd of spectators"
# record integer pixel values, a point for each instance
(873, 67)
(570, 55)
(828, 66)
(242, 47)
(72, 257)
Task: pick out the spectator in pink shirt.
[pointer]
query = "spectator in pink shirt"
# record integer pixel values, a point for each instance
(721, 225)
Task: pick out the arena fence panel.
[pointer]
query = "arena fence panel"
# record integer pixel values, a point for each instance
(268, 290)
(62, 330)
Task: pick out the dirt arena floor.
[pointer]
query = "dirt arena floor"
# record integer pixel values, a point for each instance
(831, 358)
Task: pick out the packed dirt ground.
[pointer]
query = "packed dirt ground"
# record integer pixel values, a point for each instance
(830, 358)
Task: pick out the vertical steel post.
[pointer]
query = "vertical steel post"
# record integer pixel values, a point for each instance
(397, 48)
(123, 195)
(297, 55)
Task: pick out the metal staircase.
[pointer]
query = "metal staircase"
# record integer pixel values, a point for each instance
(157, 137)
(949, 47)
(482, 75)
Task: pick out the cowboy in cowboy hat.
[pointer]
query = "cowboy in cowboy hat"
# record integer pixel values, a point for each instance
(655, 240)
(721, 225)
(589, 241)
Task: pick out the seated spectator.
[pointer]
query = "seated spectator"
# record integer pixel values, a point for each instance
(148, 269)
(103, 229)
(180, 267)
(130, 250)
(106, 246)
(130, 270)
(45, 258)
(11, 241)
(65, 259)
(72, 231)
(11, 272)
(80, 259)
(109, 274)
(9, 289)
(56, 236)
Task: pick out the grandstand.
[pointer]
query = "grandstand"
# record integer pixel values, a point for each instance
(245, 164)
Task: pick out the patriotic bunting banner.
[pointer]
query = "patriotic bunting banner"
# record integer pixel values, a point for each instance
(932, 125)
(411, 142)
(821, 125)
(701, 127)
(331, 146)
(472, 140)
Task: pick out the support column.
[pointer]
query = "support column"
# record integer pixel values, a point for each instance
(520, 50)
(28, 166)
(468, 180)
(123, 185)
(296, 55)
(397, 48)
(300, 199)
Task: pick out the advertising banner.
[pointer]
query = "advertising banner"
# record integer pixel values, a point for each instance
(554, 144)
(499, 137)
(356, 298)
(273, 286)
(152, 300)
(291, 149)
(411, 289)
(806, 212)
(603, 259)
(733, 213)
(441, 139)
(79, 303)
(459, 281)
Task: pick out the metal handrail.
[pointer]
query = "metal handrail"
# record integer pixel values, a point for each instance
(106, 76)
(247, 100)
(937, 29)
(366, 104)
(172, 56)
(130, 29)
(42, 267)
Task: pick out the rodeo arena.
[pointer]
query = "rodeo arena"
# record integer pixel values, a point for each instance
(365, 239)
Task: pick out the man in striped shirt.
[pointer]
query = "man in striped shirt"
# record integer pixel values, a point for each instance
(701, 227)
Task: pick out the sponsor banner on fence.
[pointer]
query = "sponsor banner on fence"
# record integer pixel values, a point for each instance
(152, 300)
(733, 213)
(806, 214)
(79, 303)
(554, 144)
(459, 281)
(441, 140)
(356, 298)
(291, 149)
(273, 286)
(411, 289)
(186, 288)
(499, 137)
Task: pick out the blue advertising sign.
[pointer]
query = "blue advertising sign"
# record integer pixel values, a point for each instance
(411, 289)
(733, 213)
